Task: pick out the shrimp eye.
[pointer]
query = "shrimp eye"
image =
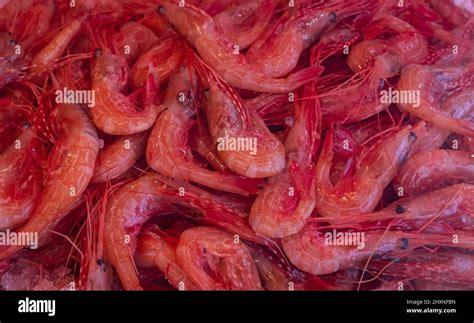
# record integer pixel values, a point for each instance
(97, 52)
(404, 243)
(400, 209)
(332, 17)
(412, 136)
(100, 261)
(207, 93)
(161, 9)
(26, 125)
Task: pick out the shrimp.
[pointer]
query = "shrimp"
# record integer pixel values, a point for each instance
(69, 171)
(278, 54)
(333, 42)
(20, 180)
(244, 23)
(374, 170)
(434, 169)
(230, 121)
(214, 260)
(432, 82)
(153, 250)
(47, 57)
(166, 57)
(134, 39)
(314, 252)
(119, 157)
(167, 149)
(288, 199)
(199, 29)
(114, 113)
(127, 210)
(456, 12)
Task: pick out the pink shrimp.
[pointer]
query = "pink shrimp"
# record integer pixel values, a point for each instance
(288, 199)
(278, 54)
(199, 29)
(260, 153)
(70, 169)
(215, 260)
(456, 12)
(361, 192)
(153, 250)
(433, 82)
(166, 57)
(20, 180)
(114, 113)
(119, 157)
(244, 23)
(167, 149)
(333, 42)
(434, 169)
(314, 252)
(12, 64)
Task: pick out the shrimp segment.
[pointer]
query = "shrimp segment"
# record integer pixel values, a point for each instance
(360, 193)
(168, 152)
(153, 250)
(434, 169)
(199, 29)
(215, 260)
(70, 169)
(119, 157)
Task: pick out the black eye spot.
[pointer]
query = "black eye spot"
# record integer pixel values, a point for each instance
(97, 52)
(404, 243)
(161, 9)
(400, 209)
(412, 136)
(332, 17)
(100, 261)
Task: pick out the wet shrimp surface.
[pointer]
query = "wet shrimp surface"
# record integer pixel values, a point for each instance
(236, 145)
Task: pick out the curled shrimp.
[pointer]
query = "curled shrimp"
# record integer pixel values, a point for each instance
(215, 260)
(278, 54)
(244, 23)
(20, 180)
(119, 157)
(168, 151)
(114, 113)
(361, 192)
(229, 124)
(433, 169)
(199, 29)
(432, 82)
(153, 250)
(288, 199)
(69, 171)
(165, 57)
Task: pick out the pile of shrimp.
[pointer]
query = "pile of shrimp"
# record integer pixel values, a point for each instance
(236, 144)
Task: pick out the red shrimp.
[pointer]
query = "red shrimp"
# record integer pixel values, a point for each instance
(375, 169)
(153, 250)
(199, 29)
(333, 42)
(434, 82)
(70, 169)
(119, 157)
(215, 260)
(456, 12)
(167, 150)
(227, 124)
(20, 180)
(114, 113)
(434, 169)
(288, 199)
(166, 57)
(12, 63)
(244, 23)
